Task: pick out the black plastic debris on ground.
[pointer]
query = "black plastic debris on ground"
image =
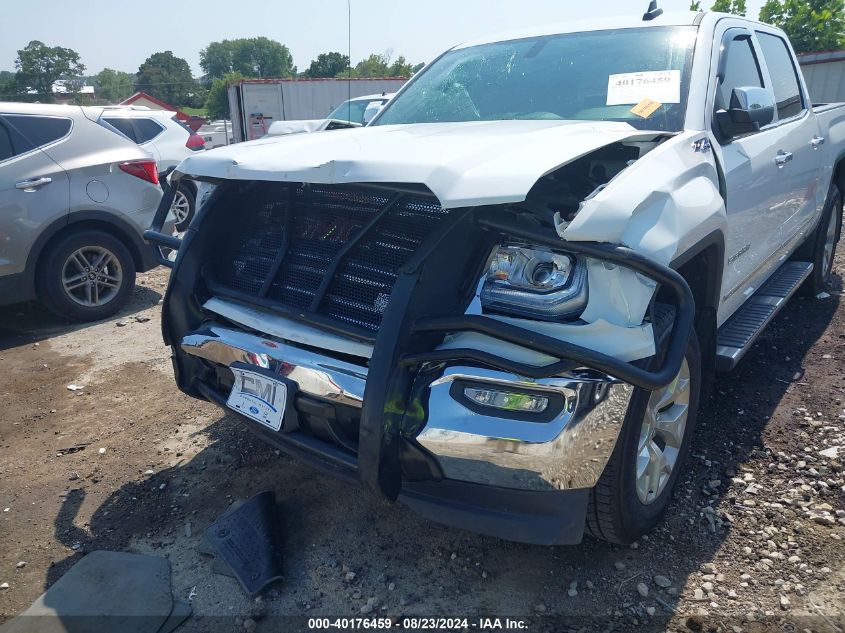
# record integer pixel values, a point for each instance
(249, 538)
(106, 591)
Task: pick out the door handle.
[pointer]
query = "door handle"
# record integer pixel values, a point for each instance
(783, 158)
(817, 142)
(33, 184)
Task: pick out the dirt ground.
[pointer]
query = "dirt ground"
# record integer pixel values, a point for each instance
(753, 541)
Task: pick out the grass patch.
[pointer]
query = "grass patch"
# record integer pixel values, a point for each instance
(195, 112)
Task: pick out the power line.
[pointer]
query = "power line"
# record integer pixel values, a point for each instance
(349, 45)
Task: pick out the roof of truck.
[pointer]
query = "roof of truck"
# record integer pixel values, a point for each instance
(683, 18)
(633, 21)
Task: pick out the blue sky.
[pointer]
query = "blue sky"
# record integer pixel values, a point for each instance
(120, 34)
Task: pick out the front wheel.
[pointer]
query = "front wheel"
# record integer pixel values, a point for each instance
(636, 487)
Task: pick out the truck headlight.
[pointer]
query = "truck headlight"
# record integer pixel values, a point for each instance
(534, 282)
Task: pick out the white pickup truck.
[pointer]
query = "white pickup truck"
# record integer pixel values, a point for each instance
(502, 301)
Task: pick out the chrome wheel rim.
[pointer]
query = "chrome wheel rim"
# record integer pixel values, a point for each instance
(92, 276)
(829, 243)
(662, 435)
(181, 207)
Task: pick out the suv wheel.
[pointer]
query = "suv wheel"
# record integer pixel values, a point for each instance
(86, 276)
(635, 488)
(183, 207)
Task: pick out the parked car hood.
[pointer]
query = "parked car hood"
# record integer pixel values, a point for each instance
(463, 164)
(282, 128)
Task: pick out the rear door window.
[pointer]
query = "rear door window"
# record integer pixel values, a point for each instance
(183, 125)
(6, 149)
(124, 126)
(146, 129)
(28, 132)
(784, 77)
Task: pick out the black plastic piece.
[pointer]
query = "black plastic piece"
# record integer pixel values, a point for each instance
(249, 538)
(653, 12)
(155, 234)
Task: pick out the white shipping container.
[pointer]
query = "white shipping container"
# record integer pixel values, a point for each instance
(256, 103)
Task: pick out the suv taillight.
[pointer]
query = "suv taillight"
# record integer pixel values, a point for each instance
(144, 169)
(195, 142)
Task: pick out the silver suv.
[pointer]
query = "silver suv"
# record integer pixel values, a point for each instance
(75, 198)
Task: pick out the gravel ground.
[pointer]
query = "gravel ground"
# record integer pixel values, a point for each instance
(753, 541)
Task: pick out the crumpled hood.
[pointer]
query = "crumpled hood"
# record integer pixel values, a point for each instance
(463, 164)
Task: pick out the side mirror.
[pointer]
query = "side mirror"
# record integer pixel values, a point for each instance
(372, 109)
(751, 108)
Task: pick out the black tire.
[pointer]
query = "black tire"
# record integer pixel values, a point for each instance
(615, 513)
(191, 197)
(818, 280)
(56, 263)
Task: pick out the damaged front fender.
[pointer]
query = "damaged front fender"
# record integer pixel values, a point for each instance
(660, 207)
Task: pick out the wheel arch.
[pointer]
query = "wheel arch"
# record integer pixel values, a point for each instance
(702, 267)
(839, 180)
(838, 176)
(119, 227)
(190, 184)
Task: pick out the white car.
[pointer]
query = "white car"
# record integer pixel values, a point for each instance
(169, 141)
(353, 113)
(503, 301)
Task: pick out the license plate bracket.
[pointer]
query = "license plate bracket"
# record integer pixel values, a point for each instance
(260, 395)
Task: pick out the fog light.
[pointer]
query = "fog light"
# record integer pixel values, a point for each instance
(507, 400)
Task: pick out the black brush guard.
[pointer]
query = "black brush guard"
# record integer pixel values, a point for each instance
(428, 302)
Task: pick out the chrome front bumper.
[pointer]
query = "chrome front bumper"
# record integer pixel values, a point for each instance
(566, 453)
(569, 452)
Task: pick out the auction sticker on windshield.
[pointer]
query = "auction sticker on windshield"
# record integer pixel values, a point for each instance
(663, 86)
(258, 397)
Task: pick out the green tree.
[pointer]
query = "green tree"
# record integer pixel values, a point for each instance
(168, 78)
(374, 65)
(216, 59)
(217, 102)
(400, 68)
(695, 6)
(379, 65)
(735, 7)
(113, 85)
(328, 65)
(8, 85)
(39, 66)
(812, 25)
(252, 57)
